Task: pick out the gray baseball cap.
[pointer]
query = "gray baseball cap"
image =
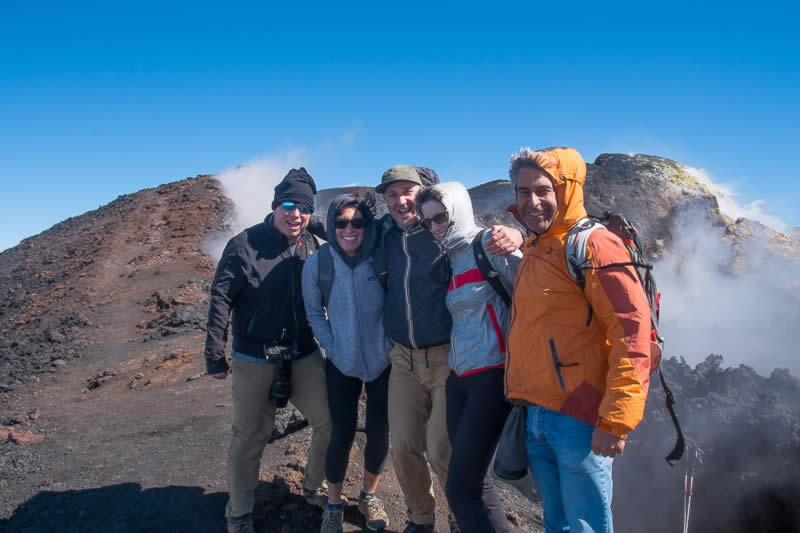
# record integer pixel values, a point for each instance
(398, 173)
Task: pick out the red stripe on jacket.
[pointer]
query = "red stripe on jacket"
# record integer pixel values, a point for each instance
(470, 276)
(497, 330)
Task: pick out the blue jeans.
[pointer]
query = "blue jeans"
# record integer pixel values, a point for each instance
(574, 483)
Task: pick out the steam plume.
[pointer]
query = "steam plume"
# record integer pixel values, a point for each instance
(250, 186)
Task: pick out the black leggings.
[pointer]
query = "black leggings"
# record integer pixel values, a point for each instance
(343, 394)
(476, 413)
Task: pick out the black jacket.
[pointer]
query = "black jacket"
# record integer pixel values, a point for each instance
(415, 311)
(257, 284)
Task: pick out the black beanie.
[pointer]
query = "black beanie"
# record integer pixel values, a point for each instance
(297, 186)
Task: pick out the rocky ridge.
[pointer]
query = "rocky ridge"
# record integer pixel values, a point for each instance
(101, 396)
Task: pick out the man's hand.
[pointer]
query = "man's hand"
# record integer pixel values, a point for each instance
(606, 444)
(221, 375)
(504, 240)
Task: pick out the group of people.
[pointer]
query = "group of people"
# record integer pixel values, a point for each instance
(401, 306)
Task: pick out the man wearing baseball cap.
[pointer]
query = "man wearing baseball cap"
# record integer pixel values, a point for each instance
(417, 321)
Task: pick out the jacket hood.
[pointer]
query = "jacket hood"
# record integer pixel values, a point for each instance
(458, 204)
(568, 174)
(369, 232)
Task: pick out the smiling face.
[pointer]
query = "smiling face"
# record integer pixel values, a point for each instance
(348, 238)
(536, 199)
(399, 198)
(290, 223)
(436, 219)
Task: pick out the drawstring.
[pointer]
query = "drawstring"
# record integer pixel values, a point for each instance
(411, 359)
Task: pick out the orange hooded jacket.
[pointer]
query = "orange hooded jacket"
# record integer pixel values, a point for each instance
(584, 353)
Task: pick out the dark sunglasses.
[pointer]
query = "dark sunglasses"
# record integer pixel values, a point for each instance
(357, 223)
(439, 218)
(304, 209)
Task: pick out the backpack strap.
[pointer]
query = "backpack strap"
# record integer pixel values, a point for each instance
(576, 248)
(491, 276)
(680, 445)
(325, 273)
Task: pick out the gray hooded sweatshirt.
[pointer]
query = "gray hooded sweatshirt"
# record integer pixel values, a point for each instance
(480, 316)
(351, 332)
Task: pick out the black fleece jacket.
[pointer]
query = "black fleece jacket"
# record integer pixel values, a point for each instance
(257, 289)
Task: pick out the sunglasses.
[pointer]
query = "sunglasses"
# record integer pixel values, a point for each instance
(439, 218)
(357, 223)
(304, 209)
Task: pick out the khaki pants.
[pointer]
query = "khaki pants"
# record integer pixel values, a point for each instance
(253, 419)
(418, 425)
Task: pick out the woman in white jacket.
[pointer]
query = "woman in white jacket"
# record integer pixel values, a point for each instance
(476, 405)
(349, 327)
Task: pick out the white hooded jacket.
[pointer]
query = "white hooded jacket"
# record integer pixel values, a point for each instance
(480, 316)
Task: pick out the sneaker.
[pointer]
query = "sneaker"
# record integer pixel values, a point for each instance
(372, 508)
(332, 519)
(240, 524)
(419, 528)
(454, 527)
(318, 497)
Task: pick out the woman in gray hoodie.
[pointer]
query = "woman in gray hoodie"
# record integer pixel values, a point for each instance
(476, 405)
(349, 327)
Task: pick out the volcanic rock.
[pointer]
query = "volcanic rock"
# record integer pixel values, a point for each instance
(147, 433)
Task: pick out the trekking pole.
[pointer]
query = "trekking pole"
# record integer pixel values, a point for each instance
(691, 492)
(685, 497)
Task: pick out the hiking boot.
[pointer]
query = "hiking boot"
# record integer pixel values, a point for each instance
(419, 528)
(372, 508)
(332, 519)
(318, 497)
(240, 524)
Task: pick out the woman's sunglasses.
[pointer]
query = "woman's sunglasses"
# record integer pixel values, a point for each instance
(357, 223)
(304, 209)
(439, 218)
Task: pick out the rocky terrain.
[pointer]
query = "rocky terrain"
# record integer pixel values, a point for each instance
(109, 423)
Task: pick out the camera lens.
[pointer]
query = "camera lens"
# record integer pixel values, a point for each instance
(281, 388)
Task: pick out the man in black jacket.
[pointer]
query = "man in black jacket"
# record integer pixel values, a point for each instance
(275, 356)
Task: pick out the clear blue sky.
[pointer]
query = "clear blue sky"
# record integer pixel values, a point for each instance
(106, 99)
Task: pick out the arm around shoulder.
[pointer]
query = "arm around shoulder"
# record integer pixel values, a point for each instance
(504, 240)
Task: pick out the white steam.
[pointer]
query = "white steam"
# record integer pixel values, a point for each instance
(726, 193)
(750, 318)
(250, 187)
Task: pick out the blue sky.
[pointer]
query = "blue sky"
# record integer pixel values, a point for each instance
(106, 98)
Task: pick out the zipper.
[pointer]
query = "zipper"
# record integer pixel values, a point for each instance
(407, 291)
(525, 259)
(556, 364)
(453, 330)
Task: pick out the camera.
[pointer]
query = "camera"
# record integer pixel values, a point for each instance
(281, 389)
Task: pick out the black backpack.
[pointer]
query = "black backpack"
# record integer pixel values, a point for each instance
(325, 272)
(629, 235)
(491, 276)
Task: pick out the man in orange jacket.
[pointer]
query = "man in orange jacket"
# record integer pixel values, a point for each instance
(578, 356)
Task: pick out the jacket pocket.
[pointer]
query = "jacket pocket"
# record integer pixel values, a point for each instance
(558, 364)
(262, 327)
